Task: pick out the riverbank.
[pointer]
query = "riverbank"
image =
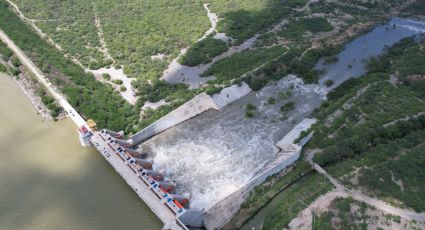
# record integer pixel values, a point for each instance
(49, 181)
(31, 88)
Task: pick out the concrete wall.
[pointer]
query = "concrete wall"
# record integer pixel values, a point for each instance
(289, 138)
(192, 108)
(221, 213)
(231, 94)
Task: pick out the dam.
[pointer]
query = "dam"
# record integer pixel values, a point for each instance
(214, 155)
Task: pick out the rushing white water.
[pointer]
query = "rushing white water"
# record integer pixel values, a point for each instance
(216, 153)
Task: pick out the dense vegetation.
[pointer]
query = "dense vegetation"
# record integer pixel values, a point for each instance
(380, 130)
(89, 97)
(49, 102)
(296, 197)
(235, 66)
(298, 28)
(3, 68)
(243, 18)
(203, 52)
(133, 31)
(5, 55)
(13, 64)
(71, 25)
(262, 194)
(417, 8)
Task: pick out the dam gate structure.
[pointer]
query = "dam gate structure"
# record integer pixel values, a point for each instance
(195, 159)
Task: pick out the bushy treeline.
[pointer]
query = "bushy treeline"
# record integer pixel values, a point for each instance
(11, 62)
(203, 52)
(158, 90)
(400, 161)
(71, 24)
(243, 18)
(297, 28)
(3, 68)
(235, 66)
(417, 8)
(49, 102)
(381, 129)
(134, 31)
(357, 141)
(90, 97)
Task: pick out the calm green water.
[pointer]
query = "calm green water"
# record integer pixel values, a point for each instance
(48, 181)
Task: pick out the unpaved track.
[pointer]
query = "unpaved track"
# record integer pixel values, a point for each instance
(73, 114)
(103, 48)
(341, 191)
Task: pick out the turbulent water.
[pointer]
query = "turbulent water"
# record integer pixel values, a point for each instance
(48, 181)
(215, 153)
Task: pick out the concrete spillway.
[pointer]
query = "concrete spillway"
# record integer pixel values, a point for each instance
(217, 153)
(216, 156)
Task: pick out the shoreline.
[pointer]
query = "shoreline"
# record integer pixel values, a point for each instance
(29, 88)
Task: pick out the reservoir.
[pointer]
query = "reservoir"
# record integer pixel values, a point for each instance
(48, 181)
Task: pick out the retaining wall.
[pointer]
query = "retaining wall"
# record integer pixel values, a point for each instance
(197, 105)
(192, 108)
(231, 94)
(221, 213)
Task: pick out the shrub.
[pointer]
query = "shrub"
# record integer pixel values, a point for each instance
(329, 83)
(287, 107)
(117, 81)
(249, 114)
(3, 68)
(203, 52)
(106, 76)
(15, 61)
(271, 101)
(123, 89)
(15, 71)
(250, 107)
